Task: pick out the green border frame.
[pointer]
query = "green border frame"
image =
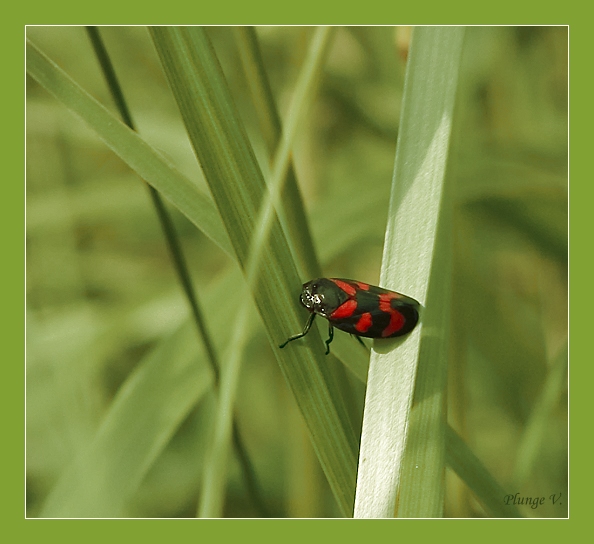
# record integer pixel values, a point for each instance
(309, 12)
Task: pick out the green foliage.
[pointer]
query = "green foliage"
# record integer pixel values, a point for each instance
(121, 403)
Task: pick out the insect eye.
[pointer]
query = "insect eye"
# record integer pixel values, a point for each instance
(321, 307)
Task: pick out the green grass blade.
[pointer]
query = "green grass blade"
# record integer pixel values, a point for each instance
(422, 491)
(179, 262)
(269, 120)
(238, 187)
(130, 147)
(167, 225)
(216, 464)
(408, 261)
(99, 295)
(215, 468)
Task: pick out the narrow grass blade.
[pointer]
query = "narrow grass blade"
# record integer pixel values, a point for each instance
(215, 468)
(297, 226)
(409, 250)
(130, 147)
(178, 259)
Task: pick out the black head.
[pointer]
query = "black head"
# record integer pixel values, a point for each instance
(322, 296)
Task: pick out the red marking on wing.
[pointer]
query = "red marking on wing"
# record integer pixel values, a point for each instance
(346, 287)
(364, 323)
(396, 323)
(344, 310)
(396, 318)
(361, 285)
(384, 301)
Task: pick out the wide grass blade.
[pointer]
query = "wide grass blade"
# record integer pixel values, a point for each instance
(215, 468)
(416, 200)
(238, 187)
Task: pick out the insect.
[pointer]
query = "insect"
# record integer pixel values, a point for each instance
(357, 308)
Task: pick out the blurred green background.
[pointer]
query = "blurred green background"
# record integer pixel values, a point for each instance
(101, 291)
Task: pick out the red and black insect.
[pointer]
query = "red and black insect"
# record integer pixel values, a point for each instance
(358, 308)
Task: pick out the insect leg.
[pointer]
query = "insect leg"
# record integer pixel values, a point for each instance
(330, 337)
(301, 334)
(358, 338)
